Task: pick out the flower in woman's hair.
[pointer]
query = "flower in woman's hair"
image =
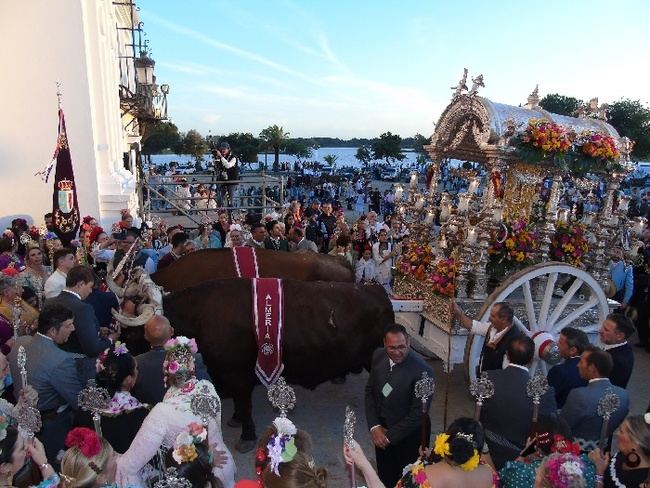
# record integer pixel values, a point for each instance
(185, 454)
(120, 348)
(284, 426)
(472, 463)
(441, 445)
(85, 439)
(198, 432)
(173, 367)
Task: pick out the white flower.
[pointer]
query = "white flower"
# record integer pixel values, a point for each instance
(571, 468)
(284, 426)
(182, 340)
(183, 439)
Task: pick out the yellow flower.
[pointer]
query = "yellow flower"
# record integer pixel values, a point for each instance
(441, 446)
(510, 243)
(471, 463)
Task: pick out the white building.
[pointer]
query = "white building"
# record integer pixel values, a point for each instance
(87, 46)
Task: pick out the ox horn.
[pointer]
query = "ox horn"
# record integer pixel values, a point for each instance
(114, 287)
(138, 321)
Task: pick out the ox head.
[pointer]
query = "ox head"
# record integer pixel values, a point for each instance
(144, 291)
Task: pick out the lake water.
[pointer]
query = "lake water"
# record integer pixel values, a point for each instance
(345, 157)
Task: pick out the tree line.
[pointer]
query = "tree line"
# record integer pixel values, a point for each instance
(165, 137)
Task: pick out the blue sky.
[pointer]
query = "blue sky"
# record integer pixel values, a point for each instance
(359, 68)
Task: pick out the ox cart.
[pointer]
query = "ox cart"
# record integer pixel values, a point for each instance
(539, 210)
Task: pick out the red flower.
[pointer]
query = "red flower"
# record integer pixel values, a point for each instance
(85, 439)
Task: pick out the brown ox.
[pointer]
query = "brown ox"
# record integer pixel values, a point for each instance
(331, 329)
(214, 264)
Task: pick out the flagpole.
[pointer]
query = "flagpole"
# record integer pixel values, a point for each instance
(59, 94)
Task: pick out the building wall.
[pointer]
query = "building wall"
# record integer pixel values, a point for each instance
(76, 45)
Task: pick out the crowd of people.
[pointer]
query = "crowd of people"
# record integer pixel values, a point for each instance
(54, 304)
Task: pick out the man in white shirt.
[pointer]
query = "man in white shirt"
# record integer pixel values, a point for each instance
(366, 269)
(498, 332)
(63, 261)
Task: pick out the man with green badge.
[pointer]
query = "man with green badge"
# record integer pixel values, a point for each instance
(393, 412)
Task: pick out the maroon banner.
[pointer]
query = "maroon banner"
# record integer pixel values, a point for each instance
(268, 312)
(65, 207)
(245, 262)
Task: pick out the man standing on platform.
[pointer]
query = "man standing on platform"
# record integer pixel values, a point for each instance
(230, 171)
(498, 332)
(393, 411)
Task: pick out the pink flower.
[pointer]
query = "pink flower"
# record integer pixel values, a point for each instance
(173, 367)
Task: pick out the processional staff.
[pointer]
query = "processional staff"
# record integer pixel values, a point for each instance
(537, 385)
(481, 388)
(17, 312)
(27, 415)
(424, 389)
(607, 405)
(94, 399)
(348, 439)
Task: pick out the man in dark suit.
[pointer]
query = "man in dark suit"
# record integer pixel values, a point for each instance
(275, 240)
(581, 408)
(86, 340)
(52, 373)
(508, 414)
(498, 332)
(613, 334)
(565, 376)
(150, 387)
(393, 412)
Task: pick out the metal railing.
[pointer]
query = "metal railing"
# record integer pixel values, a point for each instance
(160, 196)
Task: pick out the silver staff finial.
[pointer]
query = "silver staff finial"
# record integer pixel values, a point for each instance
(171, 479)
(424, 387)
(282, 396)
(537, 385)
(205, 405)
(94, 399)
(481, 388)
(29, 421)
(22, 364)
(607, 405)
(348, 426)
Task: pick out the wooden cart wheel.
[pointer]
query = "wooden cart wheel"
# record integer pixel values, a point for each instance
(583, 305)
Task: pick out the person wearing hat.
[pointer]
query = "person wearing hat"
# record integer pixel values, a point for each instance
(224, 157)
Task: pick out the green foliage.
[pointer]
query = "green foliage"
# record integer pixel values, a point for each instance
(632, 119)
(560, 104)
(194, 144)
(419, 141)
(388, 147)
(298, 149)
(274, 137)
(330, 159)
(363, 155)
(244, 145)
(161, 136)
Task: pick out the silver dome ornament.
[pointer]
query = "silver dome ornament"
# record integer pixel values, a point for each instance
(282, 396)
(205, 405)
(94, 399)
(424, 388)
(481, 389)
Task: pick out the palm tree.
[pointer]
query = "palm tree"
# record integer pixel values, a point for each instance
(331, 160)
(274, 137)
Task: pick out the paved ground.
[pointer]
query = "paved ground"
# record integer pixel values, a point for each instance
(320, 412)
